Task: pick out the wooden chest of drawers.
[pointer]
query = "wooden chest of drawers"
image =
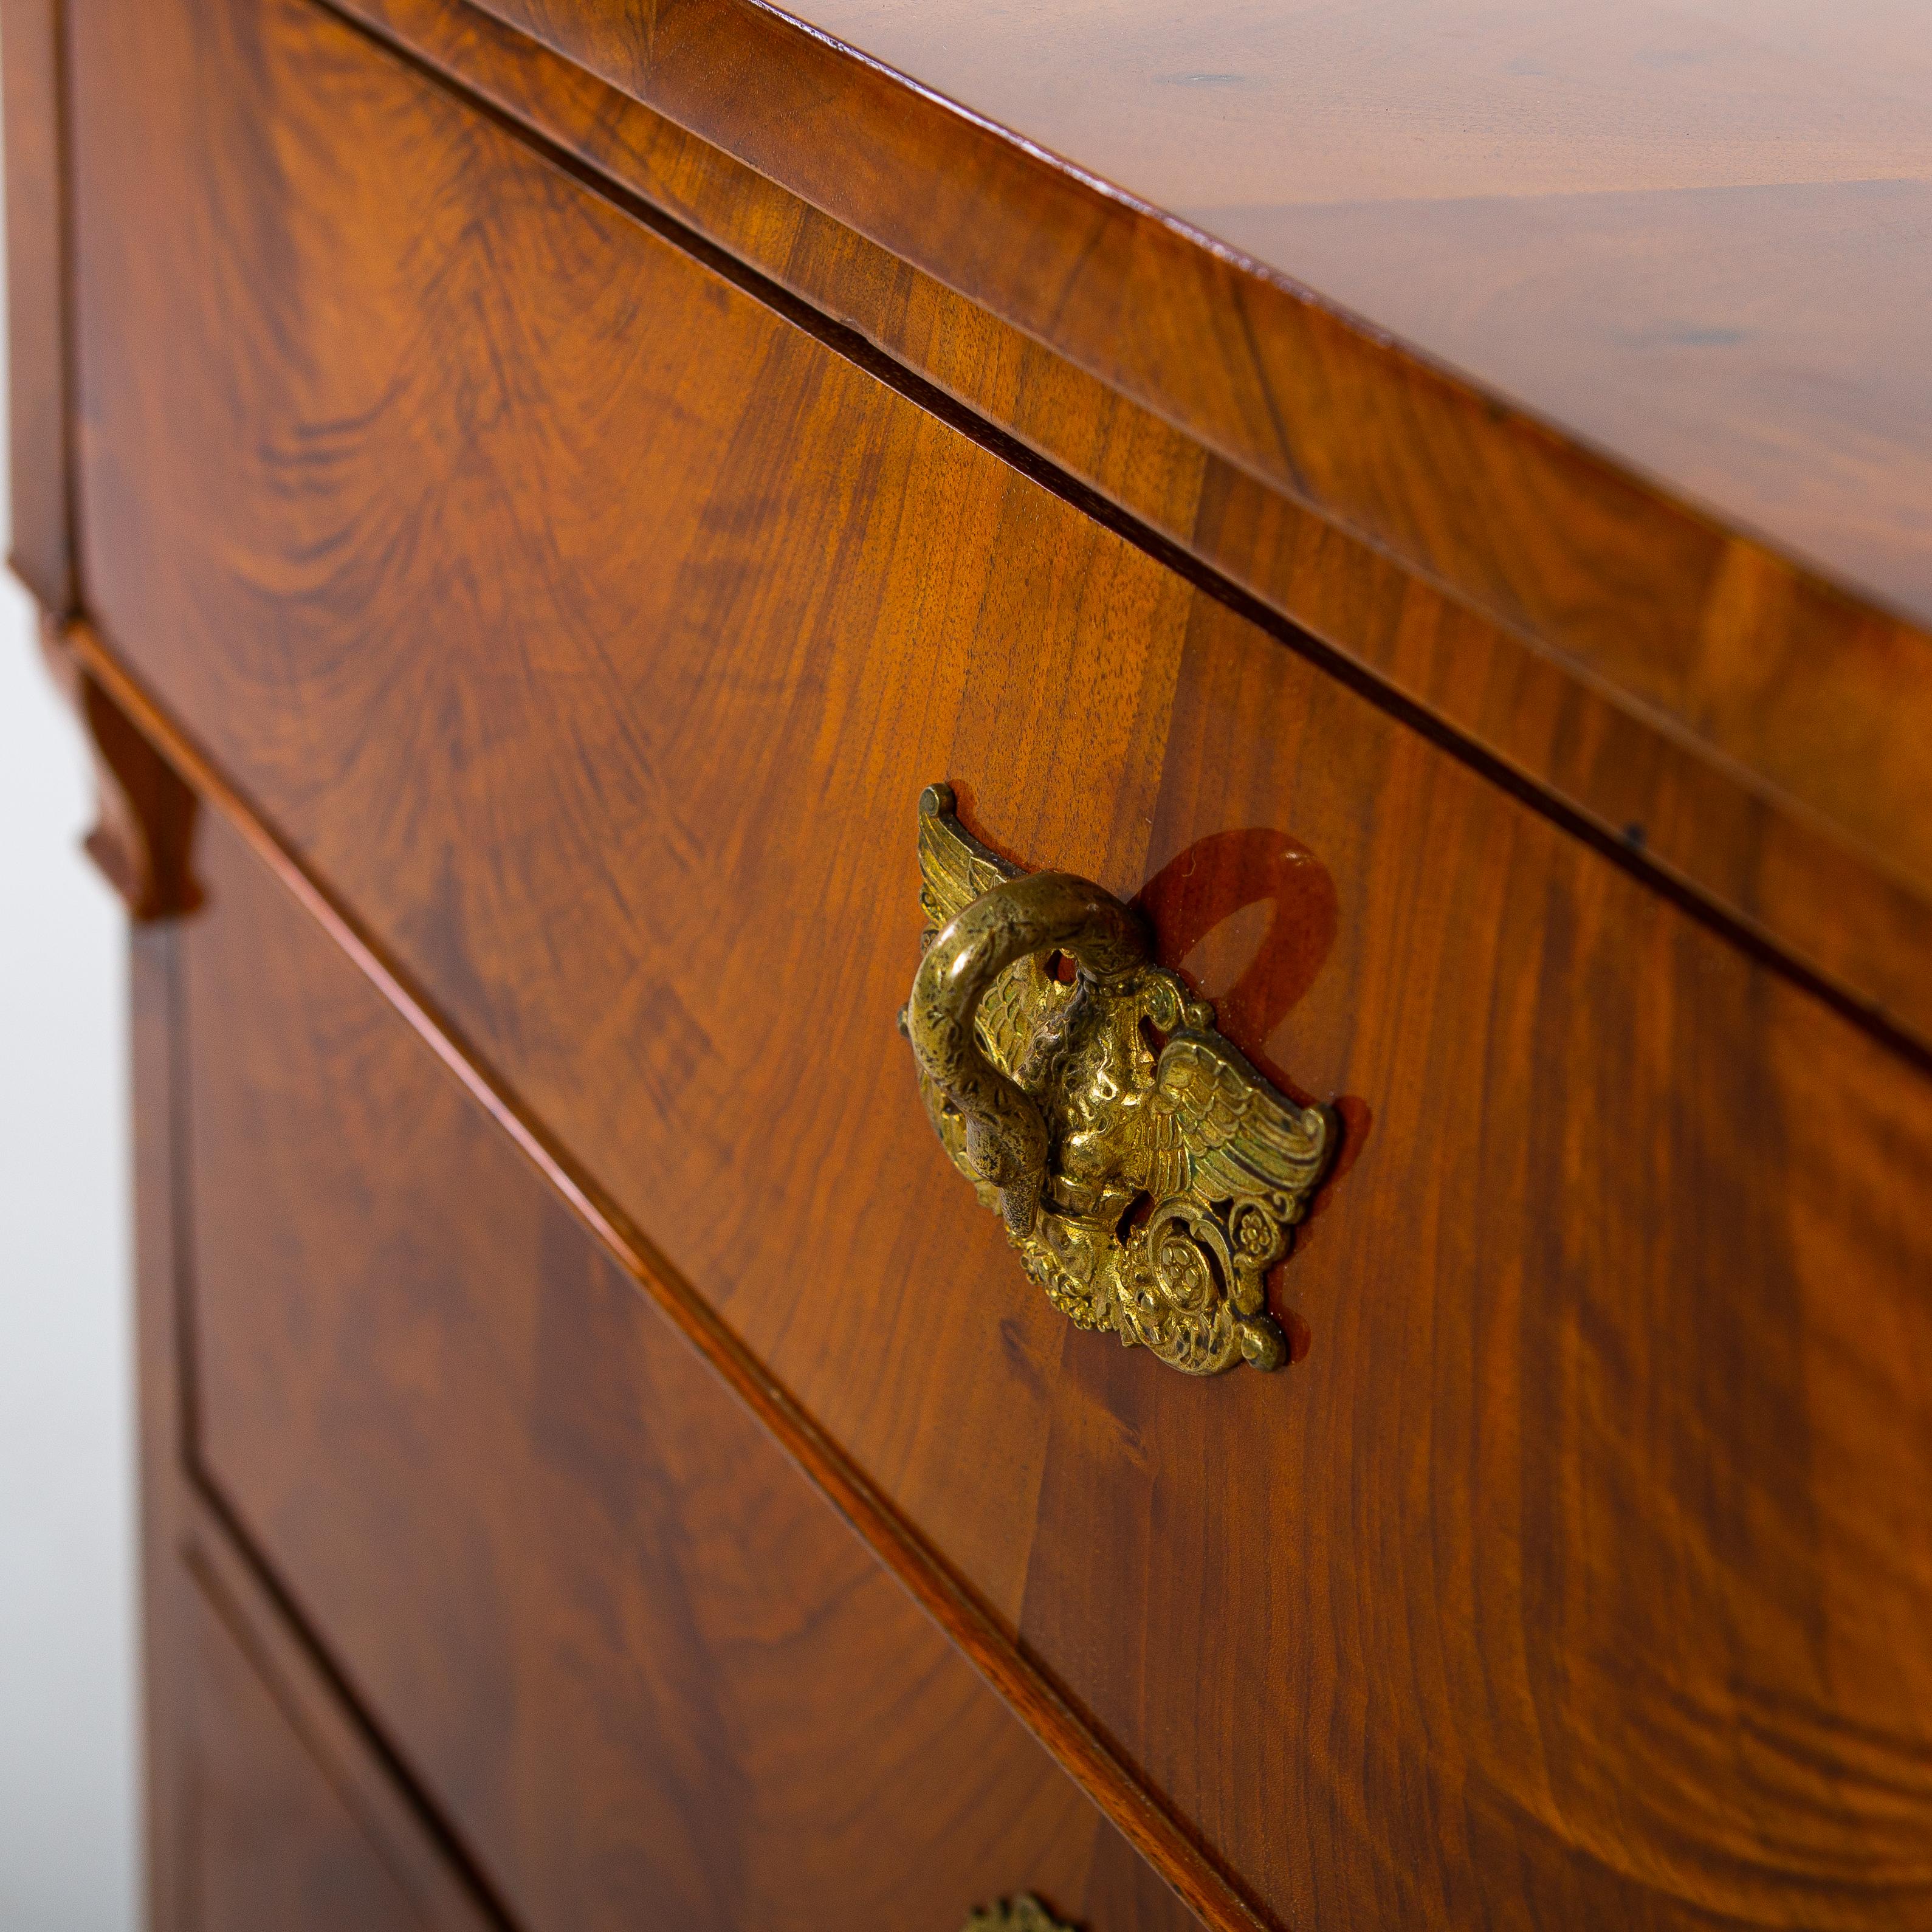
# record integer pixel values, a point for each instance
(527, 497)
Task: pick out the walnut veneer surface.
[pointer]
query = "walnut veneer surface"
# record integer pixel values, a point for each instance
(1693, 231)
(636, 1655)
(539, 478)
(274, 1842)
(1612, 525)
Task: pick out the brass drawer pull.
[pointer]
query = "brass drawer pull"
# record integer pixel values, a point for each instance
(1024, 1914)
(1149, 1177)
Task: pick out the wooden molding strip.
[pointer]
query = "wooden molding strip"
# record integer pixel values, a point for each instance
(188, 1533)
(443, 1880)
(1145, 1820)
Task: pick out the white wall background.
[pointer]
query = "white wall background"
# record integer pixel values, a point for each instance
(67, 1635)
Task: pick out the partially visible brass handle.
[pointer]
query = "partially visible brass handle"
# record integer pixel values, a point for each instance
(1024, 1914)
(1148, 1175)
(1005, 1135)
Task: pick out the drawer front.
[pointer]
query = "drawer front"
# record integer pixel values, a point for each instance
(634, 1654)
(592, 628)
(272, 1841)
(275, 1813)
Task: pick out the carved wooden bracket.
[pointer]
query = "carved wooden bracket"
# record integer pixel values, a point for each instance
(144, 831)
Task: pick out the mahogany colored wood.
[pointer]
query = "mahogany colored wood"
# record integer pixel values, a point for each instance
(143, 836)
(1578, 1575)
(596, 1607)
(41, 553)
(1767, 861)
(274, 1842)
(265, 1806)
(406, 1852)
(1142, 1820)
(1652, 308)
(1678, 229)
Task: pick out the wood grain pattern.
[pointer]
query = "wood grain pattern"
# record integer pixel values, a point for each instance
(640, 1660)
(1144, 1821)
(1757, 658)
(1766, 862)
(1681, 229)
(264, 1805)
(41, 553)
(422, 1866)
(1597, 1471)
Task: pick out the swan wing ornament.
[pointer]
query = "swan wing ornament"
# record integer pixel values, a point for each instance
(1148, 1175)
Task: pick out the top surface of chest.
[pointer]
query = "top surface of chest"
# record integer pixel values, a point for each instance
(1696, 234)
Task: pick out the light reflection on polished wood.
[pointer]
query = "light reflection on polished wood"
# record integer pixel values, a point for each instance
(1703, 578)
(1588, 1573)
(1724, 649)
